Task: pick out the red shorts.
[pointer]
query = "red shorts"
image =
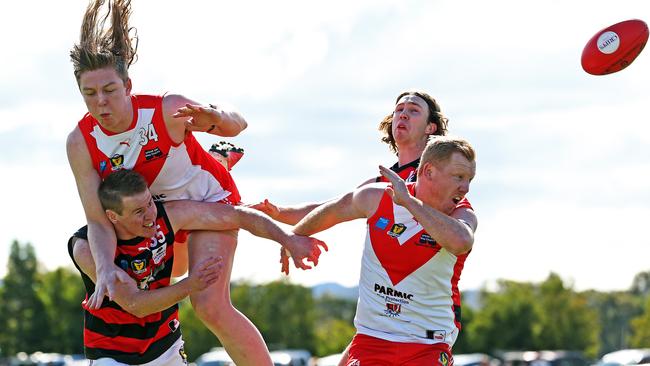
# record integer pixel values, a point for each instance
(370, 351)
(182, 235)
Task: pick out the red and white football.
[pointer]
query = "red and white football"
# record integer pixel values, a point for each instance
(615, 47)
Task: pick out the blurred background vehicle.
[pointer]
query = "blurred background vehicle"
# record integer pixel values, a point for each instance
(633, 356)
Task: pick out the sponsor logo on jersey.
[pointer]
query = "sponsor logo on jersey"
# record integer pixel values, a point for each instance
(384, 290)
(382, 223)
(396, 230)
(426, 240)
(159, 197)
(125, 142)
(183, 354)
(152, 154)
(353, 362)
(139, 266)
(102, 166)
(444, 359)
(117, 161)
(392, 309)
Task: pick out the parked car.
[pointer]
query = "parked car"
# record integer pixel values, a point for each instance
(543, 358)
(475, 359)
(633, 356)
(215, 357)
(331, 360)
(291, 357)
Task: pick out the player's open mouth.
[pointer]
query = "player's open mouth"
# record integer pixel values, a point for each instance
(149, 224)
(457, 199)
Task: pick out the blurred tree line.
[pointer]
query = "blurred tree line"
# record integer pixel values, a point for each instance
(40, 311)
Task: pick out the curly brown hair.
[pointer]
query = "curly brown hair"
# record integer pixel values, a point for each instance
(98, 47)
(435, 116)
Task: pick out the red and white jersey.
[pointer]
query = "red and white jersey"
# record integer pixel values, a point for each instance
(173, 171)
(408, 290)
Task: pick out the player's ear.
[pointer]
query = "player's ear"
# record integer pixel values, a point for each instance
(431, 128)
(128, 85)
(112, 216)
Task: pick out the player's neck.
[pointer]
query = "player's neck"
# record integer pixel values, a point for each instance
(410, 152)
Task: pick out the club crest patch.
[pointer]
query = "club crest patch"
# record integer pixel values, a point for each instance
(117, 161)
(139, 266)
(396, 230)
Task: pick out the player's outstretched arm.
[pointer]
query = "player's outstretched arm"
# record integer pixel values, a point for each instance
(191, 215)
(220, 120)
(101, 234)
(290, 215)
(142, 303)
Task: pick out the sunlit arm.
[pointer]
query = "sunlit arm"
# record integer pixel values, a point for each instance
(192, 215)
(101, 234)
(353, 205)
(455, 233)
(127, 294)
(220, 120)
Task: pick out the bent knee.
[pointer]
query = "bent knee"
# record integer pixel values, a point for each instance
(212, 309)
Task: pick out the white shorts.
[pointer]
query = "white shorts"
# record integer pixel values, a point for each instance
(174, 356)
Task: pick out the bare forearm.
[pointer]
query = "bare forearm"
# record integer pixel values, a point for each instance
(291, 215)
(327, 215)
(260, 224)
(102, 243)
(449, 232)
(142, 303)
(228, 123)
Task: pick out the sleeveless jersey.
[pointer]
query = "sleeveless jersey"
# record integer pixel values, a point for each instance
(173, 171)
(408, 291)
(112, 332)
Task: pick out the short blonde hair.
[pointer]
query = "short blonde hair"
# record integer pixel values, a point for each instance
(440, 148)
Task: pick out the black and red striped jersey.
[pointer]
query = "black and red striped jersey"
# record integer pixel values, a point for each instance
(112, 332)
(408, 172)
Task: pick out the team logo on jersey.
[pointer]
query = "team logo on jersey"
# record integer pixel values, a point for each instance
(102, 166)
(117, 161)
(427, 241)
(396, 230)
(393, 309)
(173, 324)
(436, 335)
(381, 223)
(139, 266)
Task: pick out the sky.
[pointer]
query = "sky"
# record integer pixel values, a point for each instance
(562, 166)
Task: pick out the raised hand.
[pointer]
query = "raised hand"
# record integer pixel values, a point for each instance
(300, 248)
(200, 118)
(267, 207)
(398, 191)
(105, 286)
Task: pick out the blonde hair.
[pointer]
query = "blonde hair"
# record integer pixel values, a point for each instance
(440, 148)
(98, 47)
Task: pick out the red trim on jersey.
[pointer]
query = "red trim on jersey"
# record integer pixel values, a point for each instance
(121, 343)
(399, 261)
